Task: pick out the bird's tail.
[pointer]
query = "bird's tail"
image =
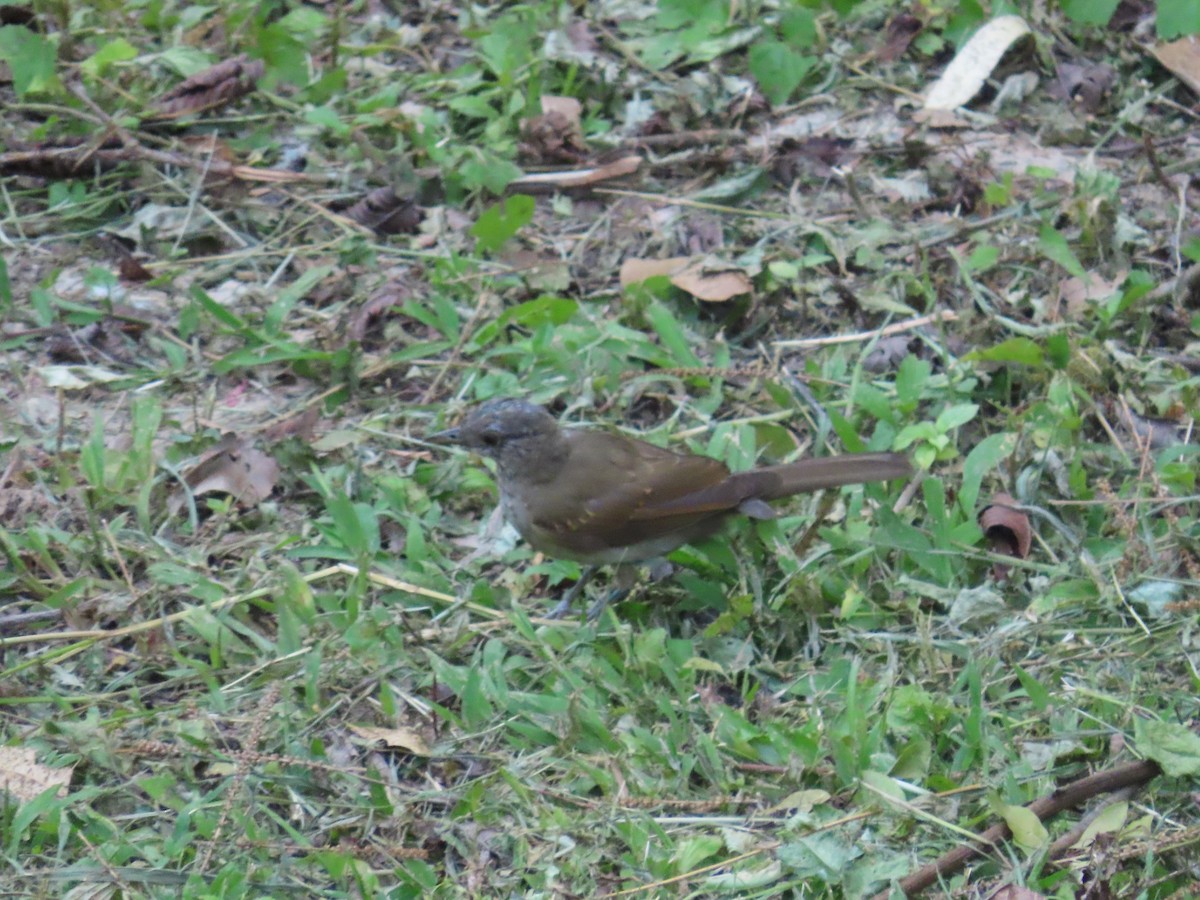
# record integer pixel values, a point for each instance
(833, 471)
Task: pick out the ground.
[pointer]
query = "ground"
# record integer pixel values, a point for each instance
(259, 637)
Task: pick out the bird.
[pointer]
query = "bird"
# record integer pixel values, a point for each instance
(602, 498)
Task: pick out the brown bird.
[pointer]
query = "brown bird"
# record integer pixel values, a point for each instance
(602, 498)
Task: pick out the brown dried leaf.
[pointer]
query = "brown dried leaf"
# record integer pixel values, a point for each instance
(1086, 85)
(575, 178)
(712, 286)
(1074, 293)
(1008, 530)
(215, 86)
(889, 352)
(401, 738)
(299, 426)
(104, 339)
(1182, 59)
(22, 778)
(634, 271)
(815, 156)
(232, 467)
(385, 213)
(377, 304)
(898, 35)
(689, 273)
(556, 135)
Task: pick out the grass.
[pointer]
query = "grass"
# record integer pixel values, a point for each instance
(273, 641)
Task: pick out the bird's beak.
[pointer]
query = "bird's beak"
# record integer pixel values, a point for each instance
(449, 436)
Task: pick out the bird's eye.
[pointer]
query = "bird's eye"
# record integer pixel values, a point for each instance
(490, 439)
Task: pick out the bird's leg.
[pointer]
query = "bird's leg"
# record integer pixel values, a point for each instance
(564, 605)
(624, 582)
(616, 595)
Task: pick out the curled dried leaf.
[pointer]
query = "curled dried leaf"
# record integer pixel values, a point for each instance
(555, 136)
(385, 213)
(974, 62)
(215, 86)
(1007, 529)
(232, 467)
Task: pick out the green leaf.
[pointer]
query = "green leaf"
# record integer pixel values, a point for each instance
(1015, 350)
(501, 221)
(1177, 17)
(355, 524)
(476, 708)
(1173, 746)
(1038, 695)
(31, 59)
(507, 47)
(1058, 349)
(673, 339)
(1055, 248)
(984, 457)
(1028, 831)
(798, 27)
(778, 69)
(115, 51)
(486, 170)
(983, 258)
(910, 379)
(1090, 12)
(691, 853)
(955, 416)
(285, 56)
(910, 434)
(5, 287)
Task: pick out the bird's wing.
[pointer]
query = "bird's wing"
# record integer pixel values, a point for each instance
(617, 482)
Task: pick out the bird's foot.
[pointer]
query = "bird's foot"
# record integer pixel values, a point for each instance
(563, 608)
(616, 595)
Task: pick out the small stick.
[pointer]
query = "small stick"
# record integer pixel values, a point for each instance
(945, 315)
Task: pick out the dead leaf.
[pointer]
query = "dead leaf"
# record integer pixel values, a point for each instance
(215, 86)
(898, 35)
(385, 213)
(574, 178)
(712, 287)
(22, 778)
(300, 426)
(1074, 293)
(972, 65)
(1008, 530)
(889, 352)
(1086, 85)
(400, 738)
(694, 274)
(567, 107)
(233, 467)
(634, 271)
(1182, 59)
